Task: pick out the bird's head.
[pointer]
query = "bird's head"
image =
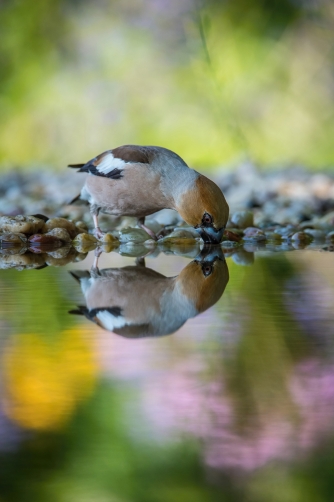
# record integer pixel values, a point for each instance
(204, 280)
(203, 206)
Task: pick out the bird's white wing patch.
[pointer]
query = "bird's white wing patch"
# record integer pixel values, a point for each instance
(108, 163)
(109, 321)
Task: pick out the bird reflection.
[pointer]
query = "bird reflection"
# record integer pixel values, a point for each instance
(136, 301)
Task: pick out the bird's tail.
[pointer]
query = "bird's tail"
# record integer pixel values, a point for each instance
(80, 310)
(75, 199)
(80, 274)
(75, 166)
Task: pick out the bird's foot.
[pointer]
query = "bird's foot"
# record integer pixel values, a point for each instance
(148, 231)
(98, 233)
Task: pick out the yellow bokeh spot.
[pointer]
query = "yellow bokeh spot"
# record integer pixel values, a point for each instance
(45, 380)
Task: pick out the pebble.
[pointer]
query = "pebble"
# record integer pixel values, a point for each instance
(254, 234)
(85, 243)
(21, 224)
(253, 246)
(190, 250)
(286, 231)
(229, 244)
(301, 237)
(53, 223)
(231, 236)
(21, 261)
(110, 239)
(61, 234)
(179, 236)
(273, 236)
(45, 239)
(242, 219)
(165, 217)
(330, 236)
(81, 225)
(12, 239)
(133, 249)
(318, 235)
(63, 256)
(136, 235)
(243, 257)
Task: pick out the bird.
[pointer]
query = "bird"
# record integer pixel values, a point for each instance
(133, 180)
(136, 301)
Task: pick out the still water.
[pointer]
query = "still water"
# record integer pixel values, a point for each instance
(215, 385)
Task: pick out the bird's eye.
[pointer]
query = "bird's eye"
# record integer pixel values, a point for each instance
(207, 270)
(207, 219)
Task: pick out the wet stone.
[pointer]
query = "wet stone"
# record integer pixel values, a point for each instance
(317, 235)
(110, 239)
(254, 234)
(81, 226)
(85, 243)
(13, 249)
(45, 239)
(22, 261)
(328, 220)
(301, 237)
(242, 219)
(61, 234)
(273, 236)
(190, 249)
(62, 256)
(253, 246)
(187, 251)
(229, 244)
(61, 223)
(135, 235)
(10, 239)
(231, 236)
(21, 224)
(179, 236)
(330, 237)
(286, 231)
(133, 249)
(242, 257)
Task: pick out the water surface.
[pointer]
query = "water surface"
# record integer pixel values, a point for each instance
(236, 404)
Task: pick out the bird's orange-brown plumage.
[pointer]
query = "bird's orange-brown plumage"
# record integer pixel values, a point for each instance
(206, 196)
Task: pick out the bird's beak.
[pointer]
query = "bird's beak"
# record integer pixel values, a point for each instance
(210, 235)
(210, 253)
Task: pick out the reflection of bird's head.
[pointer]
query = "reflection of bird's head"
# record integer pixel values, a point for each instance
(204, 279)
(204, 207)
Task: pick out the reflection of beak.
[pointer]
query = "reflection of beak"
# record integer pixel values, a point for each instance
(210, 235)
(209, 254)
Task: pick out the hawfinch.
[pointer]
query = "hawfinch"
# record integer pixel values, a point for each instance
(136, 301)
(137, 181)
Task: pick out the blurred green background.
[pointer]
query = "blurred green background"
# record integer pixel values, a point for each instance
(217, 81)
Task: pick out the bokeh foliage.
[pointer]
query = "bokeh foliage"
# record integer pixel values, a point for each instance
(215, 81)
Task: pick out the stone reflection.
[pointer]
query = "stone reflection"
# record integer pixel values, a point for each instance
(136, 301)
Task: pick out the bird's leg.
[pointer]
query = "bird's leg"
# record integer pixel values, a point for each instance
(95, 266)
(141, 224)
(97, 231)
(140, 261)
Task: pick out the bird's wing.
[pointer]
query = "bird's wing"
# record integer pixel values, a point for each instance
(106, 317)
(111, 163)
